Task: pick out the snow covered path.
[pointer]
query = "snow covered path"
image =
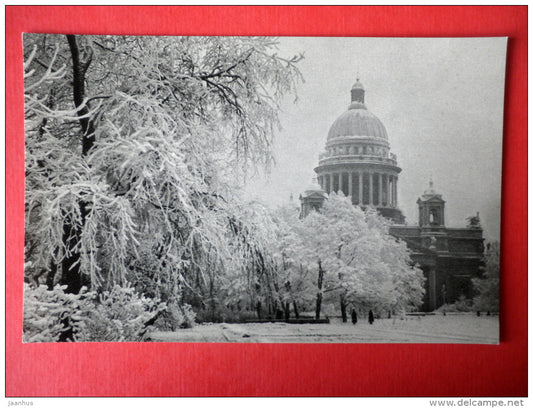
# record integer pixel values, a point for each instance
(424, 329)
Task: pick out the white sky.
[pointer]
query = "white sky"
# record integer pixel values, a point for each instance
(441, 101)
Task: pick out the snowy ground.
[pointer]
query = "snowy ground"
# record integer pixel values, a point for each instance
(412, 329)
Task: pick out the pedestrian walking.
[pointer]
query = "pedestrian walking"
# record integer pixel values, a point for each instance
(370, 317)
(354, 316)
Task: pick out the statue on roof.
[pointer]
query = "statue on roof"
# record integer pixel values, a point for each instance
(474, 221)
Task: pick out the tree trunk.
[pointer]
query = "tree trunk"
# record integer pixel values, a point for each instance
(287, 310)
(51, 275)
(212, 303)
(79, 68)
(295, 306)
(279, 312)
(71, 275)
(343, 309)
(70, 266)
(318, 305)
(319, 293)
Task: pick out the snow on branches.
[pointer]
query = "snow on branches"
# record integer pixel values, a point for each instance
(152, 200)
(363, 264)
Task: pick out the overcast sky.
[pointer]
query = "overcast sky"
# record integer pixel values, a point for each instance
(441, 101)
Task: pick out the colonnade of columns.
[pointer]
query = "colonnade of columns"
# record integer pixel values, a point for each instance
(364, 188)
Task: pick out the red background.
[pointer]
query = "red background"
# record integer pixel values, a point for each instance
(166, 369)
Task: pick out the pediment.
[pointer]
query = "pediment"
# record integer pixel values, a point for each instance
(432, 199)
(317, 195)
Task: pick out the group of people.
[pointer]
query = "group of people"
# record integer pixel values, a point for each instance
(370, 316)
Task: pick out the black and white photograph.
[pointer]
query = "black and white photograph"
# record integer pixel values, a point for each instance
(262, 190)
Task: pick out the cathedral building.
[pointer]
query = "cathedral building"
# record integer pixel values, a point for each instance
(357, 161)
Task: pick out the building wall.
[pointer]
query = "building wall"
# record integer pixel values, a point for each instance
(449, 262)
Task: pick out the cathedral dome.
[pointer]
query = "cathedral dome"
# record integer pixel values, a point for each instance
(357, 161)
(357, 120)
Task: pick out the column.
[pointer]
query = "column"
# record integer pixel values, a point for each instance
(350, 181)
(380, 191)
(360, 188)
(345, 192)
(371, 188)
(394, 183)
(387, 190)
(396, 191)
(392, 191)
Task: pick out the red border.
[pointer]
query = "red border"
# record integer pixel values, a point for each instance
(260, 369)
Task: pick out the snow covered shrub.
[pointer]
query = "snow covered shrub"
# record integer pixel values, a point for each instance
(117, 315)
(44, 311)
(175, 317)
(461, 305)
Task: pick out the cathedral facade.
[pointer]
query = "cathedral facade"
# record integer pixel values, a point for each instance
(357, 161)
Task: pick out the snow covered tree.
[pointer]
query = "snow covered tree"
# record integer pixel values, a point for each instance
(488, 287)
(293, 270)
(363, 265)
(135, 149)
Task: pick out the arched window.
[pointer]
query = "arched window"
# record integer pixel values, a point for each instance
(434, 216)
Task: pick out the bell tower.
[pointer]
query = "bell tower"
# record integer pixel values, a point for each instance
(312, 198)
(431, 208)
